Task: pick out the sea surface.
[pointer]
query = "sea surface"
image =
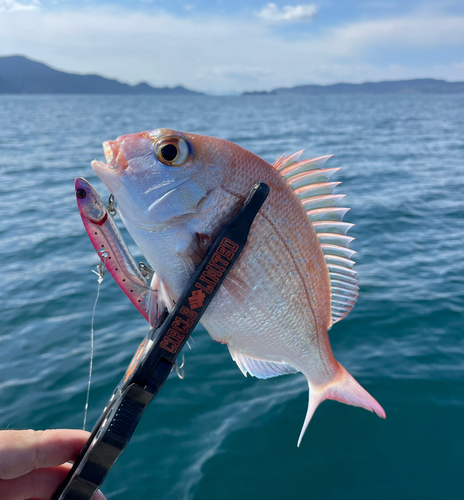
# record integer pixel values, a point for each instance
(216, 434)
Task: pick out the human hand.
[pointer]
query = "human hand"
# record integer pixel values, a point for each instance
(33, 463)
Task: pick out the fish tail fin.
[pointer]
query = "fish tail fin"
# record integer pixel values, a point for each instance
(316, 396)
(344, 388)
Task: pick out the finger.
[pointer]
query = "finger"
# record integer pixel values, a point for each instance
(39, 484)
(24, 451)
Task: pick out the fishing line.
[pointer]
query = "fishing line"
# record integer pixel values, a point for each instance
(7, 165)
(101, 268)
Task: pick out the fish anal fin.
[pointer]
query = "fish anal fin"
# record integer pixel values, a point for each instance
(343, 388)
(259, 368)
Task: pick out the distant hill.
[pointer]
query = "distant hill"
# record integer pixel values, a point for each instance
(423, 86)
(20, 75)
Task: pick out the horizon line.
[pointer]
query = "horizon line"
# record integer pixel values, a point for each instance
(212, 92)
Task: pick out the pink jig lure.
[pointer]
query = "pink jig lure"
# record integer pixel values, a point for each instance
(114, 254)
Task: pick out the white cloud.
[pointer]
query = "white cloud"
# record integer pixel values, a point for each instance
(411, 31)
(287, 14)
(14, 6)
(231, 54)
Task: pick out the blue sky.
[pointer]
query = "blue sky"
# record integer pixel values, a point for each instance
(224, 46)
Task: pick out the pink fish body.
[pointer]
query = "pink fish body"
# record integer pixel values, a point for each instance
(294, 279)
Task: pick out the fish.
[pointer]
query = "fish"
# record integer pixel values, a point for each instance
(293, 281)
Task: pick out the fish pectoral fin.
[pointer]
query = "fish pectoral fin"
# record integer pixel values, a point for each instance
(203, 241)
(191, 253)
(241, 293)
(258, 367)
(342, 388)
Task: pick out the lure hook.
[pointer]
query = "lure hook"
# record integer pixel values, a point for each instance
(180, 368)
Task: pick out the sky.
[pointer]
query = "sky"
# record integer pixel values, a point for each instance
(230, 46)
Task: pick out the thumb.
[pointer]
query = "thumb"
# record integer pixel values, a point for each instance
(98, 496)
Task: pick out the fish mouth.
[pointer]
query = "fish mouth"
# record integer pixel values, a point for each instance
(115, 159)
(114, 156)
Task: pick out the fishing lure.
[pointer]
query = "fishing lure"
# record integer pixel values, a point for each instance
(149, 299)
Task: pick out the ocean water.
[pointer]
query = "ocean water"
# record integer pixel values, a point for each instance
(216, 434)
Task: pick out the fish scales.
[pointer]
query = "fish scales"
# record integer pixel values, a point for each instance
(282, 245)
(176, 190)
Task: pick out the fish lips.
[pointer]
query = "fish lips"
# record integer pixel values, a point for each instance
(121, 152)
(114, 155)
(107, 174)
(132, 154)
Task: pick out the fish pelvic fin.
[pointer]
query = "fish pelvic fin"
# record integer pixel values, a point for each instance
(159, 298)
(342, 388)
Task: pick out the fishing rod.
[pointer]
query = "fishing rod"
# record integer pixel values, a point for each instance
(156, 356)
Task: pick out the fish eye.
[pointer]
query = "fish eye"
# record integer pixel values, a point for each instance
(171, 151)
(81, 194)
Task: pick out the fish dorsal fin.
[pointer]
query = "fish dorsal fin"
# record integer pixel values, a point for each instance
(285, 161)
(259, 368)
(310, 182)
